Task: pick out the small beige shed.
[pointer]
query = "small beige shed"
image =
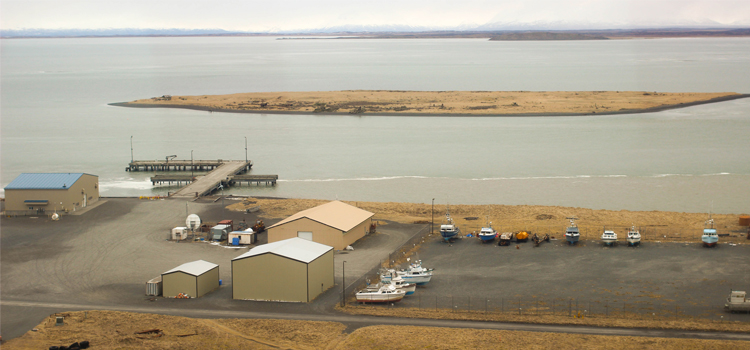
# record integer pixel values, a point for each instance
(294, 269)
(335, 224)
(194, 279)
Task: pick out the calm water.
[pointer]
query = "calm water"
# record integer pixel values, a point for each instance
(55, 118)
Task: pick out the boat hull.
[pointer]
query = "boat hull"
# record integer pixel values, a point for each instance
(449, 236)
(571, 239)
(487, 238)
(710, 241)
(634, 241)
(609, 242)
(375, 299)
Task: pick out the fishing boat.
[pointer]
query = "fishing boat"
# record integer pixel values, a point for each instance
(414, 274)
(505, 238)
(634, 237)
(386, 293)
(400, 283)
(449, 230)
(609, 237)
(487, 234)
(710, 237)
(571, 233)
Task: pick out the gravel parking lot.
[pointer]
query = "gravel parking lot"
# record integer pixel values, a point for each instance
(661, 276)
(106, 255)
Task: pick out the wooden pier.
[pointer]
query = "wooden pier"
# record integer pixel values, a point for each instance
(179, 165)
(257, 179)
(171, 178)
(222, 174)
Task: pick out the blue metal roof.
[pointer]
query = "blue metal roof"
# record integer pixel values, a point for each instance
(42, 181)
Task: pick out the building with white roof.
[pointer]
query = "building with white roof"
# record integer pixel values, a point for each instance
(294, 269)
(336, 224)
(39, 193)
(194, 279)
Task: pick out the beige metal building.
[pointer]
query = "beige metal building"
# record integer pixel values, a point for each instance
(294, 269)
(38, 193)
(194, 279)
(336, 224)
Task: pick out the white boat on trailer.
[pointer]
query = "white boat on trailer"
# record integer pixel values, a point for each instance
(609, 237)
(386, 293)
(414, 274)
(634, 236)
(572, 235)
(710, 238)
(400, 283)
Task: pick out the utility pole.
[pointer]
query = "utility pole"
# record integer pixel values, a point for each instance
(433, 216)
(245, 149)
(343, 284)
(131, 148)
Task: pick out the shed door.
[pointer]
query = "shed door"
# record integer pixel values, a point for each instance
(305, 234)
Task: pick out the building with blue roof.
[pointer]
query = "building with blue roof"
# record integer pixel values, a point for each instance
(40, 193)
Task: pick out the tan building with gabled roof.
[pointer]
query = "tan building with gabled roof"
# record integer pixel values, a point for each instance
(335, 224)
(290, 270)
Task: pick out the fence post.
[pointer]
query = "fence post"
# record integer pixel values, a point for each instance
(519, 306)
(469, 303)
(502, 305)
(436, 303)
(553, 307)
(452, 304)
(485, 305)
(570, 308)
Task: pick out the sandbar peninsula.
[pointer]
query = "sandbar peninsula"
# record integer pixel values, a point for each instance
(439, 103)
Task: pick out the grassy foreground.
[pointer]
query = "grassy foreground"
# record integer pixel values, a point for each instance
(108, 330)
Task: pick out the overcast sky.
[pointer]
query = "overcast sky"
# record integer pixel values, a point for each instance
(290, 15)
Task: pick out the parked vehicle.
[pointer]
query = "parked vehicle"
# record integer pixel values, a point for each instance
(737, 301)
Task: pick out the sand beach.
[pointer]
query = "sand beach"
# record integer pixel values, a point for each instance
(428, 103)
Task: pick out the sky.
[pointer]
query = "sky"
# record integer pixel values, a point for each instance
(292, 15)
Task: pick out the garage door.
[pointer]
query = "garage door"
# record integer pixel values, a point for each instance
(305, 234)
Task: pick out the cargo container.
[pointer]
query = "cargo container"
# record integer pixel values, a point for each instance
(219, 232)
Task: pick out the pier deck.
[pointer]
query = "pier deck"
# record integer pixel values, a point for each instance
(222, 173)
(179, 165)
(257, 179)
(210, 182)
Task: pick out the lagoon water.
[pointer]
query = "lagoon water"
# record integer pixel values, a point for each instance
(55, 118)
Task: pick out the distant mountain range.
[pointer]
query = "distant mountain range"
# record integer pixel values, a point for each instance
(109, 32)
(466, 30)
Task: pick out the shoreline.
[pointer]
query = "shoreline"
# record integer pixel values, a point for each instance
(424, 114)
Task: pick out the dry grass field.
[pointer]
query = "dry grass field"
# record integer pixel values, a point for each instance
(109, 330)
(654, 225)
(438, 102)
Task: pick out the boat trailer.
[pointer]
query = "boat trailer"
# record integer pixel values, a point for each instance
(537, 240)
